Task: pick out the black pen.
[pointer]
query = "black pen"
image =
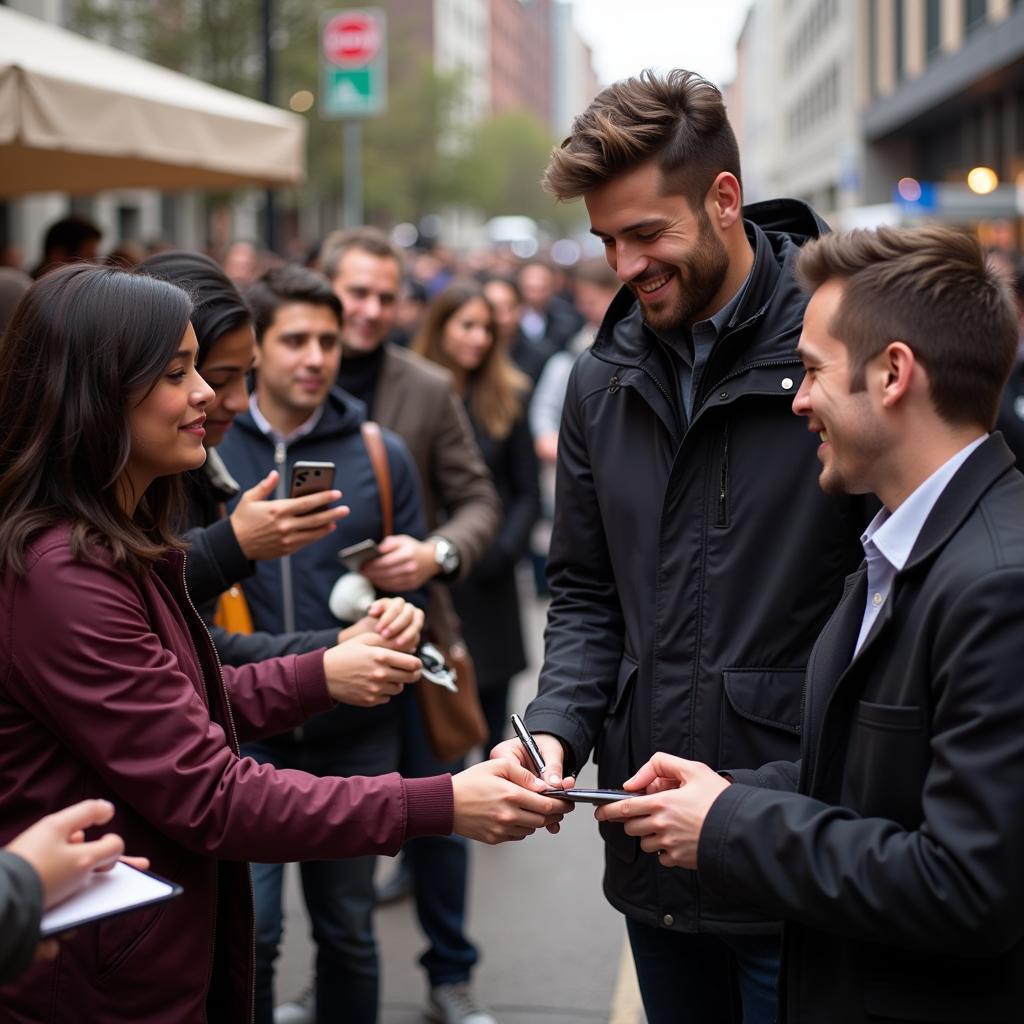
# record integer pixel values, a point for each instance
(530, 743)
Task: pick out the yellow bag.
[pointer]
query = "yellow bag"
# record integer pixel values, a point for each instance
(232, 612)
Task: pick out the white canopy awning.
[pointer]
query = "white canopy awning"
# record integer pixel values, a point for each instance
(79, 117)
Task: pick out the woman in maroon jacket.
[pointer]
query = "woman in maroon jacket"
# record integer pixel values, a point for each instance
(110, 687)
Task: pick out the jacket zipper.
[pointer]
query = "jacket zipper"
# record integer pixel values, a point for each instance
(234, 735)
(722, 518)
(287, 606)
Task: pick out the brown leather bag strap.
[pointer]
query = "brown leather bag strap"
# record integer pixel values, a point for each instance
(374, 441)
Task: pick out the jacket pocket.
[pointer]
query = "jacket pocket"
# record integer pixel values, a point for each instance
(118, 937)
(760, 719)
(896, 717)
(615, 756)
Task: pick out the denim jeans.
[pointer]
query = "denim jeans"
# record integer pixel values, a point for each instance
(705, 979)
(338, 893)
(439, 865)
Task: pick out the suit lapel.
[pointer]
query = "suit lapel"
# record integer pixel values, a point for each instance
(390, 397)
(832, 654)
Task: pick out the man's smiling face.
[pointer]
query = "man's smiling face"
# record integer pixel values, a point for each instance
(668, 254)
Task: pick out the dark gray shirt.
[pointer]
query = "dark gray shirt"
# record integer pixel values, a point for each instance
(692, 348)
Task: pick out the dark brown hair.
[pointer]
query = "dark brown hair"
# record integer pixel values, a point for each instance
(496, 388)
(85, 345)
(365, 239)
(931, 288)
(677, 120)
(281, 286)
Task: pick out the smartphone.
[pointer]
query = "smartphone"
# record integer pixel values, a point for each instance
(311, 478)
(355, 556)
(590, 796)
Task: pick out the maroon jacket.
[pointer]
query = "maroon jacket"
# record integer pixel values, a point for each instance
(110, 687)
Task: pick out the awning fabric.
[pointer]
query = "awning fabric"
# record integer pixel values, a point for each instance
(77, 117)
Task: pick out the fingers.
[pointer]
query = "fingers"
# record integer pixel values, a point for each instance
(139, 863)
(46, 950)
(85, 814)
(262, 490)
(103, 853)
(310, 503)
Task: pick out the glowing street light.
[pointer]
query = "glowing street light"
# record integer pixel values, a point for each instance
(301, 101)
(982, 180)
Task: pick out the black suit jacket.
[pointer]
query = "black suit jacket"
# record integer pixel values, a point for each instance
(895, 849)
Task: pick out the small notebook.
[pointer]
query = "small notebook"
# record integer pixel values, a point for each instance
(106, 893)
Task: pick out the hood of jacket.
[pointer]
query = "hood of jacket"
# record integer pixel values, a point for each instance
(342, 415)
(771, 303)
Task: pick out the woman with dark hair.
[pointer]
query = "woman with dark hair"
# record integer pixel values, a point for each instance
(460, 333)
(223, 548)
(110, 686)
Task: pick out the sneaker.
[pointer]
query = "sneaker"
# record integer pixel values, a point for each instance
(456, 1004)
(299, 1010)
(397, 887)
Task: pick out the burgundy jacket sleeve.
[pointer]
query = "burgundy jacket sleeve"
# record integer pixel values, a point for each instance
(269, 697)
(115, 695)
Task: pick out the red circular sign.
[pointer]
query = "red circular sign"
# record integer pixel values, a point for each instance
(351, 40)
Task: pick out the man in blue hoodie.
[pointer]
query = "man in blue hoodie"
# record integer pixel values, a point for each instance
(297, 413)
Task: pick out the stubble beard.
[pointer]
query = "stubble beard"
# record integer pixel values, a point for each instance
(699, 280)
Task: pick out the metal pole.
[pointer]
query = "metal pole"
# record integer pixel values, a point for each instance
(269, 212)
(352, 153)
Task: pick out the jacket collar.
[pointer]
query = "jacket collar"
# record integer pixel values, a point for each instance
(342, 415)
(986, 464)
(772, 299)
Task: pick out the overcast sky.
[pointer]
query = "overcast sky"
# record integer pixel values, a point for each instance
(629, 35)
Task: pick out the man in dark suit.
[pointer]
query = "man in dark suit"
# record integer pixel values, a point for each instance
(894, 849)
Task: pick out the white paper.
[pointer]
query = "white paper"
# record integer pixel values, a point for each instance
(104, 893)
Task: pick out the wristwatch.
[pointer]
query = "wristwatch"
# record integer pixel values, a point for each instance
(446, 554)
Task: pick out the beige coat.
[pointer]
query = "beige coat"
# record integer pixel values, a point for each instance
(416, 399)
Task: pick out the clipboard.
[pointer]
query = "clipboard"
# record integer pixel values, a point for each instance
(107, 894)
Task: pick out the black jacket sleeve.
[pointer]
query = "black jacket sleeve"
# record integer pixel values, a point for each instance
(21, 909)
(518, 484)
(215, 561)
(953, 885)
(246, 648)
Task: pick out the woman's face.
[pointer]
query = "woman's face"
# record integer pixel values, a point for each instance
(467, 335)
(167, 425)
(224, 369)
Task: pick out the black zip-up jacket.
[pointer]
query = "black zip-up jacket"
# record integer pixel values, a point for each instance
(216, 562)
(691, 566)
(291, 593)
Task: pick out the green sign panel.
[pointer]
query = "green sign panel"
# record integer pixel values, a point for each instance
(353, 52)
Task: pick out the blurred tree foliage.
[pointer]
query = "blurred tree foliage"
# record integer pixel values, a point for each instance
(416, 158)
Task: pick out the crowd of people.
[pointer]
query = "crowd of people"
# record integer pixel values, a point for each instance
(754, 464)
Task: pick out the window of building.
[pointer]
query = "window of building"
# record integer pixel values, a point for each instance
(974, 14)
(898, 40)
(932, 27)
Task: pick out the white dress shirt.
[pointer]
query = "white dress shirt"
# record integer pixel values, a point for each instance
(891, 536)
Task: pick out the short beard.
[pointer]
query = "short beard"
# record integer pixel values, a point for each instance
(701, 276)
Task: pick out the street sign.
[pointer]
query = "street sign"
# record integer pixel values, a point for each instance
(353, 49)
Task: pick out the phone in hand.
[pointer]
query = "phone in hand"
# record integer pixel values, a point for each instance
(589, 796)
(311, 478)
(355, 556)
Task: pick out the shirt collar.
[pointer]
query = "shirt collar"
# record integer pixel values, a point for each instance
(893, 534)
(264, 424)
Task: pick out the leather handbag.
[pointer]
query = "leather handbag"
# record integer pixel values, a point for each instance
(454, 722)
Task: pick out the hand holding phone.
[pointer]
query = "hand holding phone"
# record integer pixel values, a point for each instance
(311, 478)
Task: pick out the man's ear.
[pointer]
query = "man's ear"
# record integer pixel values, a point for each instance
(896, 370)
(258, 358)
(724, 202)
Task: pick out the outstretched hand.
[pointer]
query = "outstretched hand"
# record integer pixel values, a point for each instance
(673, 799)
(497, 801)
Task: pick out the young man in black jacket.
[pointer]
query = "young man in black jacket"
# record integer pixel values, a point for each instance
(693, 559)
(893, 848)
